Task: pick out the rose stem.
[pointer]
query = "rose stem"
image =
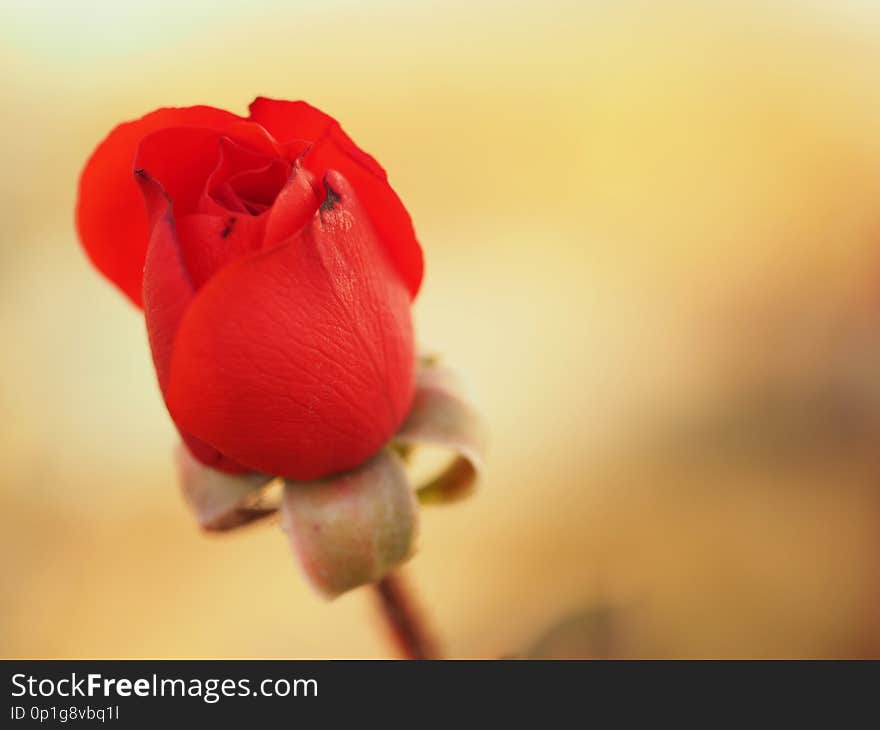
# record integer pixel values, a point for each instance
(407, 627)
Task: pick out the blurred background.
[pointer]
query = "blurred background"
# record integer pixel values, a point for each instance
(652, 234)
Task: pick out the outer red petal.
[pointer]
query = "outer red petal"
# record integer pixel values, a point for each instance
(299, 360)
(333, 149)
(167, 294)
(167, 288)
(181, 160)
(390, 219)
(287, 121)
(110, 213)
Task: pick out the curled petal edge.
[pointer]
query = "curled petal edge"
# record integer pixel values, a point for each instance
(441, 415)
(352, 528)
(222, 501)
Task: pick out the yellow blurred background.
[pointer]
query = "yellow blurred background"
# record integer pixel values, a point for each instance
(652, 233)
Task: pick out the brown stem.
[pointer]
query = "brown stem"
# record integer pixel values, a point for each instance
(407, 627)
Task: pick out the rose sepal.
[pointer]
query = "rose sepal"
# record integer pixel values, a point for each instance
(352, 528)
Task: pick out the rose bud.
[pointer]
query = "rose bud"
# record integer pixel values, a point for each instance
(276, 268)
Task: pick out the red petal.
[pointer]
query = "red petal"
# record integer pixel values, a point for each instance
(232, 157)
(255, 137)
(293, 208)
(210, 242)
(288, 121)
(167, 294)
(389, 217)
(181, 160)
(167, 288)
(110, 213)
(257, 189)
(299, 360)
(334, 149)
(190, 163)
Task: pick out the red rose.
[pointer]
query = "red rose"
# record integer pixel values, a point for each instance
(275, 267)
